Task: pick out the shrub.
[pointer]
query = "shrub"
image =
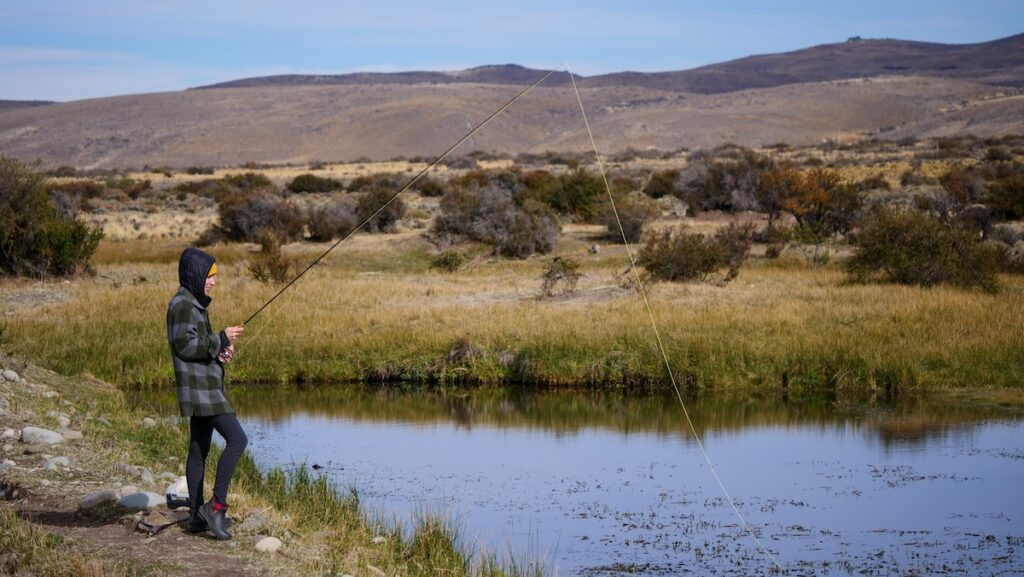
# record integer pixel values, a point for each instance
(678, 255)
(575, 194)
(247, 181)
(905, 246)
(271, 265)
(336, 219)
(491, 215)
(312, 183)
(822, 203)
(199, 170)
(429, 187)
(998, 154)
(372, 182)
(662, 183)
(1006, 197)
(561, 272)
(876, 182)
(448, 261)
(249, 218)
(35, 237)
(382, 208)
(724, 179)
(634, 211)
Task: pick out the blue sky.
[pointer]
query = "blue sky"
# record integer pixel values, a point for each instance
(74, 49)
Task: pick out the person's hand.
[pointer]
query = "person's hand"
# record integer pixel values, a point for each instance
(233, 333)
(227, 354)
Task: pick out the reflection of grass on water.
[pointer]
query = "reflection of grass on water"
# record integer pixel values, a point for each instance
(907, 419)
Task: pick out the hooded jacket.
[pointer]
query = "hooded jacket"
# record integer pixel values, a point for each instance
(194, 346)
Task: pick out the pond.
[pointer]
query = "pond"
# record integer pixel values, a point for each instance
(610, 485)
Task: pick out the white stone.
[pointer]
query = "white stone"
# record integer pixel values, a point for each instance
(70, 435)
(148, 423)
(11, 376)
(4, 466)
(54, 463)
(63, 421)
(98, 498)
(147, 477)
(8, 448)
(5, 406)
(51, 394)
(103, 420)
(178, 488)
(9, 462)
(268, 545)
(45, 482)
(9, 433)
(379, 540)
(128, 490)
(142, 501)
(37, 436)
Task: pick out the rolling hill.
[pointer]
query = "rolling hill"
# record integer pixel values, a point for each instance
(851, 90)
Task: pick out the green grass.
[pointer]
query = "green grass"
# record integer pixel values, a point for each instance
(28, 550)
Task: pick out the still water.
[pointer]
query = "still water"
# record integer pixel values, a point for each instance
(606, 485)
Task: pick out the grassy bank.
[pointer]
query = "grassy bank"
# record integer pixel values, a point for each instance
(325, 532)
(375, 311)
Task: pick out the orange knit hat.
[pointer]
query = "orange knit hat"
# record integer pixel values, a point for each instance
(213, 270)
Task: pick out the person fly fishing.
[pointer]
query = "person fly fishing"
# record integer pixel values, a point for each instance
(199, 356)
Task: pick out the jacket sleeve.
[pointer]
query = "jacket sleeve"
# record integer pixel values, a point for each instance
(190, 341)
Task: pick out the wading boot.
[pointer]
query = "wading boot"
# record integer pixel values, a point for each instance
(196, 524)
(216, 520)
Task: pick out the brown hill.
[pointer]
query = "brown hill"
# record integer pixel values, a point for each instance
(999, 62)
(387, 116)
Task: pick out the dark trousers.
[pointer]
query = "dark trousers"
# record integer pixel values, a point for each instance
(201, 430)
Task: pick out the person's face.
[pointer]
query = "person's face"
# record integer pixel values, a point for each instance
(211, 281)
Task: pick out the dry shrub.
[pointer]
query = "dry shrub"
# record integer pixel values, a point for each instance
(681, 256)
(492, 215)
(271, 265)
(635, 212)
(336, 219)
(313, 183)
(905, 246)
(37, 238)
(382, 208)
(247, 219)
(564, 273)
(448, 261)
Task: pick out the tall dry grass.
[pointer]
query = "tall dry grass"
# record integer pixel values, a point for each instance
(374, 310)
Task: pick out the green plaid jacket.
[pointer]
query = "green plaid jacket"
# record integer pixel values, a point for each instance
(194, 348)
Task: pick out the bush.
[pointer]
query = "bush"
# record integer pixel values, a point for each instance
(678, 255)
(336, 219)
(491, 215)
(561, 271)
(998, 154)
(429, 187)
(36, 238)
(249, 218)
(247, 181)
(448, 261)
(575, 194)
(1006, 197)
(313, 183)
(634, 211)
(271, 265)
(662, 183)
(199, 170)
(384, 207)
(372, 182)
(724, 179)
(905, 246)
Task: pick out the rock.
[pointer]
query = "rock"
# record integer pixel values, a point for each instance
(379, 540)
(63, 422)
(9, 463)
(147, 477)
(268, 545)
(103, 420)
(12, 376)
(37, 436)
(51, 394)
(36, 449)
(128, 490)
(45, 482)
(8, 448)
(55, 463)
(168, 476)
(70, 435)
(148, 423)
(142, 501)
(4, 466)
(5, 406)
(9, 433)
(93, 500)
(254, 522)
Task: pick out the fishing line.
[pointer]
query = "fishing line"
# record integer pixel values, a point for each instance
(657, 333)
(419, 175)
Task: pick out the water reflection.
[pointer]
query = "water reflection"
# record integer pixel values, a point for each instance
(610, 485)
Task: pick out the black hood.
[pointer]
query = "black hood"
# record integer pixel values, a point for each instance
(192, 270)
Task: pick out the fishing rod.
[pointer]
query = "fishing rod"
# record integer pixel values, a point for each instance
(419, 175)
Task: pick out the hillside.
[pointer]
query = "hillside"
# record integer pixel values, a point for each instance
(383, 116)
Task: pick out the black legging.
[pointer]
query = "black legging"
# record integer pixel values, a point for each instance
(201, 430)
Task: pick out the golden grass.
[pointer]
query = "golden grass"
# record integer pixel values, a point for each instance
(375, 310)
